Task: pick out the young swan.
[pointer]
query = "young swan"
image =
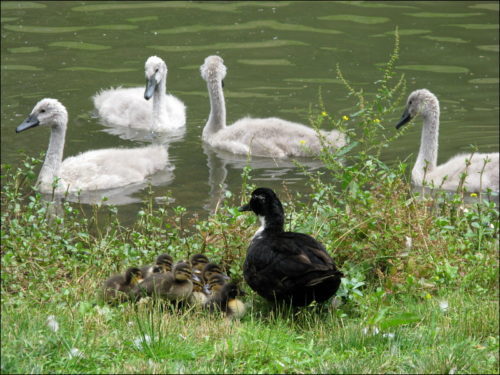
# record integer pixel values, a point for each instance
(131, 106)
(118, 287)
(482, 173)
(92, 170)
(271, 137)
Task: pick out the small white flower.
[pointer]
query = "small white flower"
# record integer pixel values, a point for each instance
(443, 305)
(75, 353)
(408, 243)
(52, 323)
(140, 341)
(389, 335)
(130, 323)
(492, 226)
(372, 330)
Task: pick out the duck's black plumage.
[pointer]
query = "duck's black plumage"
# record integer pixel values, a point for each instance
(286, 266)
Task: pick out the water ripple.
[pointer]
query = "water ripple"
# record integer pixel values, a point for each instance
(355, 18)
(101, 70)
(490, 48)
(79, 45)
(445, 39)
(64, 29)
(435, 68)
(24, 49)
(275, 62)
(212, 7)
(7, 5)
(476, 26)
(442, 15)
(229, 45)
(493, 7)
(21, 67)
(271, 24)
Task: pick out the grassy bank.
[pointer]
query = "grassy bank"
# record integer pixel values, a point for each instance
(420, 290)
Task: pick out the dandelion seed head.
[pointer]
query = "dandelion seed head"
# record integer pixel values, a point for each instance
(52, 323)
(75, 353)
(408, 243)
(140, 341)
(443, 305)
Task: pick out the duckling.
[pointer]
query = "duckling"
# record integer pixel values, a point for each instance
(225, 300)
(176, 285)
(284, 266)
(198, 262)
(118, 287)
(211, 269)
(216, 282)
(198, 297)
(163, 264)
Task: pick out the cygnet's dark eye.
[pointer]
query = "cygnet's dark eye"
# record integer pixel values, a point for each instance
(409, 102)
(156, 71)
(42, 110)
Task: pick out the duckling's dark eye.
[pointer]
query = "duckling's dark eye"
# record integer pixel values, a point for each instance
(222, 83)
(409, 102)
(42, 110)
(156, 70)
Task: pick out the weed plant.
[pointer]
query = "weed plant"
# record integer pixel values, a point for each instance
(420, 293)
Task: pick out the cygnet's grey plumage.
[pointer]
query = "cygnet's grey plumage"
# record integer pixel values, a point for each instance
(448, 175)
(91, 170)
(130, 106)
(270, 137)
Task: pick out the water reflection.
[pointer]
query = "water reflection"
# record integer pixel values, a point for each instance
(144, 135)
(269, 169)
(117, 196)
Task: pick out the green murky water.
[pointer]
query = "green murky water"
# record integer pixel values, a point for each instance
(278, 55)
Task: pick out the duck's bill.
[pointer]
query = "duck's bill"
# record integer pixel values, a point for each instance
(405, 118)
(30, 122)
(150, 88)
(246, 207)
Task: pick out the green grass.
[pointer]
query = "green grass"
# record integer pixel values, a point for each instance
(420, 286)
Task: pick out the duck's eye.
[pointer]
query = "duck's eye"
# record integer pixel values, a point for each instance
(410, 102)
(42, 111)
(156, 70)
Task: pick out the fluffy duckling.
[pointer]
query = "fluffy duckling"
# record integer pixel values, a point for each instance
(163, 264)
(118, 287)
(212, 269)
(225, 300)
(198, 297)
(216, 282)
(286, 266)
(198, 262)
(176, 285)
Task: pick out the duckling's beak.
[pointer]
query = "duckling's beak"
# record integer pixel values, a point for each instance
(246, 207)
(30, 122)
(404, 119)
(150, 87)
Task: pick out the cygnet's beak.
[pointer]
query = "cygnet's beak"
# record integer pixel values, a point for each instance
(406, 117)
(30, 122)
(150, 87)
(246, 207)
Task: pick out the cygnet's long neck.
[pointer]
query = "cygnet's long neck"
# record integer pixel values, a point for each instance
(159, 104)
(217, 119)
(427, 155)
(53, 158)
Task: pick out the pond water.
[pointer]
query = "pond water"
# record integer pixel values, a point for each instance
(278, 55)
